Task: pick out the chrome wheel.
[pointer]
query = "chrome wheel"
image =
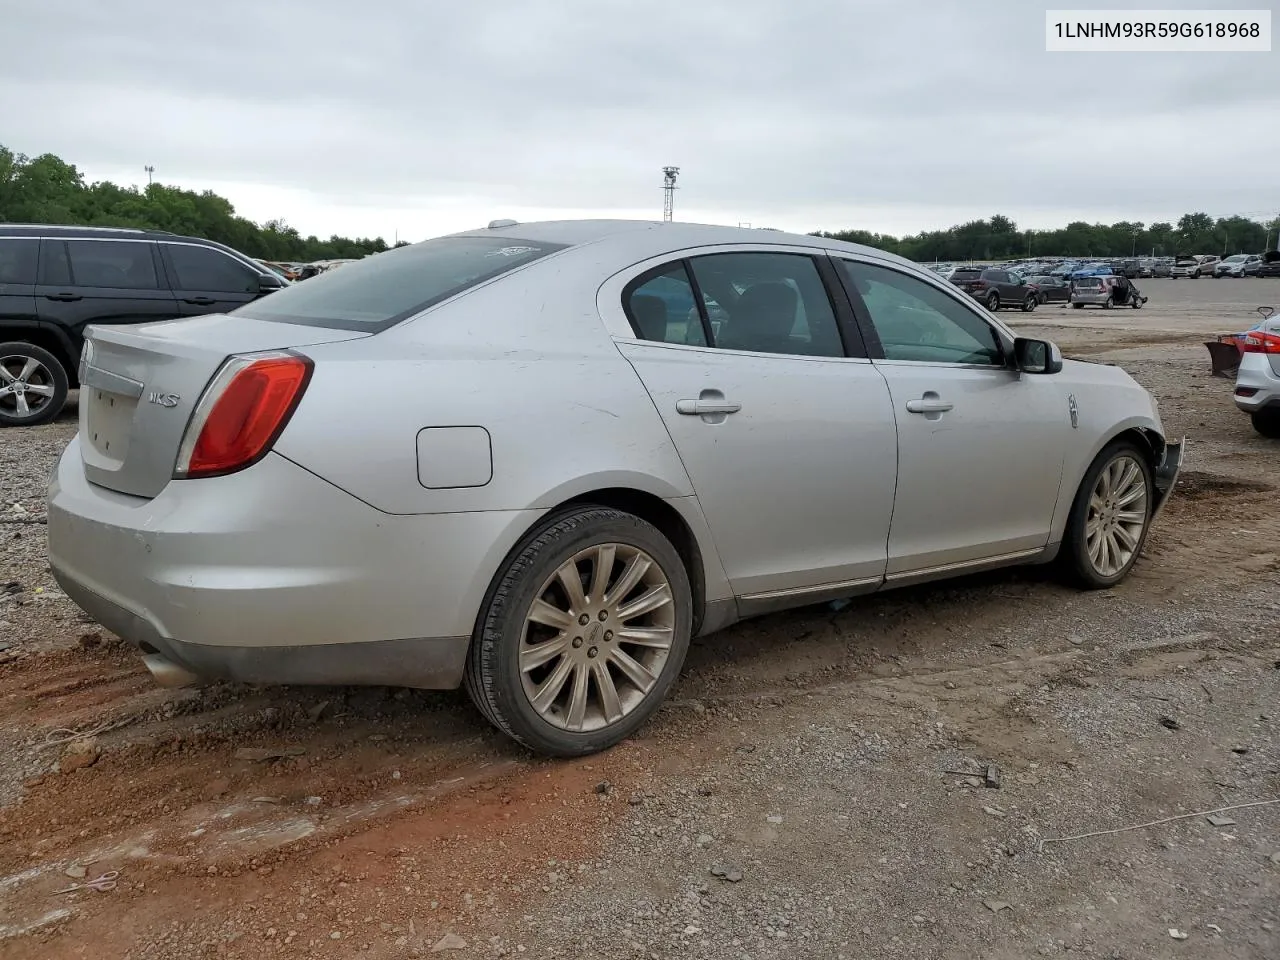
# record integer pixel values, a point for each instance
(1117, 515)
(597, 637)
(26, 386)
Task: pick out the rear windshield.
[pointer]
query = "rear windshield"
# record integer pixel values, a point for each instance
(381, 290)
(966, 274)
(1089, 282)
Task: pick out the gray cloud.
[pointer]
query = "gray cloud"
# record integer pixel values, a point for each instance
(786, 109)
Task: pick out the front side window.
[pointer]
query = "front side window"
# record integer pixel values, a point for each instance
(383, 289)
(916, 321)
(121, 264)
(767, 303)
(204, 268)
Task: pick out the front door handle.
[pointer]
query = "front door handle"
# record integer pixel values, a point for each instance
(63, 297)
(931, 405)
(706, 408)
(200, 301)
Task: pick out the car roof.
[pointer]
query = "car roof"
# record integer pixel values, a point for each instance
(106, 233)
(651, 238)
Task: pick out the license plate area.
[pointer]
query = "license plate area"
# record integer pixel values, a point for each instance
(108, 427)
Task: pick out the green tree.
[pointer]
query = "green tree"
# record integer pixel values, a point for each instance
(46, 189)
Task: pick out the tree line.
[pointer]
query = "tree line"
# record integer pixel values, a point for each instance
(1000, 239)
(46, 189)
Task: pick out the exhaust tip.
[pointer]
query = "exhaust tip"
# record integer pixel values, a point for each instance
(167, 673)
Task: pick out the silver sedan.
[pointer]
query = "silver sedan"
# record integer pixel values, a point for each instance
(537, 459)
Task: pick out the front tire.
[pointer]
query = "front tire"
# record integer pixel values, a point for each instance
(33, 385)
(1078, 306)
(1029, 304)
(1267, 423)
(582, 633)
(1109, 520)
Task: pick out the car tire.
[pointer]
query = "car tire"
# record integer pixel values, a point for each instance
(44, 371)
(1267, 423)
(1137, 303)
(1089, 562)
(1078, 306)
(507, 674)
(1030, 303)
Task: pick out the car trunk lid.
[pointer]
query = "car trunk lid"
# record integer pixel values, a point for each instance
(142, 382)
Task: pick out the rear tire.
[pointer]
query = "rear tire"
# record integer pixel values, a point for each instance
(31, 379)
(993, 301)
(1106, 531)
(513, 665)
(1267, 423)
(1078, 306)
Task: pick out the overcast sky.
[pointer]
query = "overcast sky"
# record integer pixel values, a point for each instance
(423, 117)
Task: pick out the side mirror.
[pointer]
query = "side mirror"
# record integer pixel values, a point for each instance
(1036, 356)
(269, 284)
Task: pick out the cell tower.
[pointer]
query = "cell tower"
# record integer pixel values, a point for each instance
(669, 175)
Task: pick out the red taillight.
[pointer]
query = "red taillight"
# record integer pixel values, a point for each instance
(1256, 341)
(242, 413)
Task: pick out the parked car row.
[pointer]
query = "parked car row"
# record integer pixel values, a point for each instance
(55, 281)
(1238, 266)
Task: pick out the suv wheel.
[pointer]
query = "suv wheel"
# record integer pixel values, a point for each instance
(1029, 304)
(993, 301)
(582, 633)
(33, 385)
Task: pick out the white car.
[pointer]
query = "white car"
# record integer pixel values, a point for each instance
(1239, 265)
(537, 459)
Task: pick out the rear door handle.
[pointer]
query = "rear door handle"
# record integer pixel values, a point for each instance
(63, 297)
(704, 408)
(200, 301)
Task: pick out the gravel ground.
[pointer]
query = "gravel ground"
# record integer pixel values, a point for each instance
(817, 787)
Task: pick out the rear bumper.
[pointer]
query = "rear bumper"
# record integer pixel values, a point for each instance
(1257, 375)
(273, 575)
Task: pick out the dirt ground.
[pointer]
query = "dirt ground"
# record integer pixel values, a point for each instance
(817, 786)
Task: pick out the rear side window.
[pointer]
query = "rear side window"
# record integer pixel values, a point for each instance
(768, 303)
(382, 290)
(662, 308)
(18, 261)
(120, 264)
(204, 268)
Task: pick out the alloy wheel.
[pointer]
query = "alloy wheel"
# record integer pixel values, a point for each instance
(26, 386)
(1117, 515)
(597, 637)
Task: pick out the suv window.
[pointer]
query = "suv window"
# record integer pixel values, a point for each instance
(768, 303)
(204, 268)
(916, 321)
(18, 260)
(661, 308)
(386, 288)
(122, 264)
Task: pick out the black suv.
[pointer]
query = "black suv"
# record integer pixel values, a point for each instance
(54, 281)
(995, 287)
